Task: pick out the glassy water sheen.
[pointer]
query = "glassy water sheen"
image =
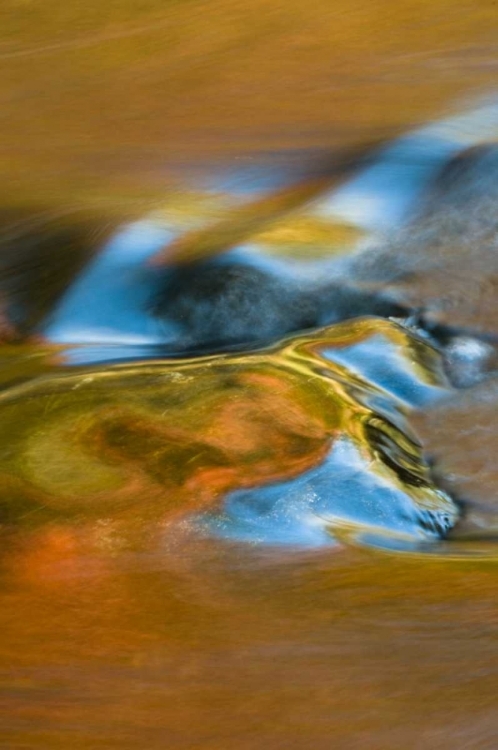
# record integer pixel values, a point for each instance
(248, 376)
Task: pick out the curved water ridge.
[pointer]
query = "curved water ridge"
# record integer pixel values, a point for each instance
(303, 442)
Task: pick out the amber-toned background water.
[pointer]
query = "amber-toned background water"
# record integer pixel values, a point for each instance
(173, 641)
(101, 100)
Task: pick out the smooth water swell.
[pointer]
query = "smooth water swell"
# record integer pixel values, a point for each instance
(283, 446)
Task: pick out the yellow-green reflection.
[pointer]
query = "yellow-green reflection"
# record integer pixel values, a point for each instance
(153, 439)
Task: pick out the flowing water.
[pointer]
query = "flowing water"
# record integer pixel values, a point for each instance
(248, 398)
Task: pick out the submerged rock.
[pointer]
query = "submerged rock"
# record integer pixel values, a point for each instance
(444, 262)
(238, 301)
(460, 434)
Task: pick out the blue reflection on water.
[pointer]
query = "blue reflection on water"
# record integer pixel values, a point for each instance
(342, 491)
(109, 302)
(382, 196)
(389, 366)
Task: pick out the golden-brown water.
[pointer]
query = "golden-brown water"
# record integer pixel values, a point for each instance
(130, 628)
(101, 101)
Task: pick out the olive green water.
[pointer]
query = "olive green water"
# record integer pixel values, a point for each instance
(123, 626)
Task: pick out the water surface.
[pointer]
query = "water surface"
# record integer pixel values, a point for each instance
(279, 538)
